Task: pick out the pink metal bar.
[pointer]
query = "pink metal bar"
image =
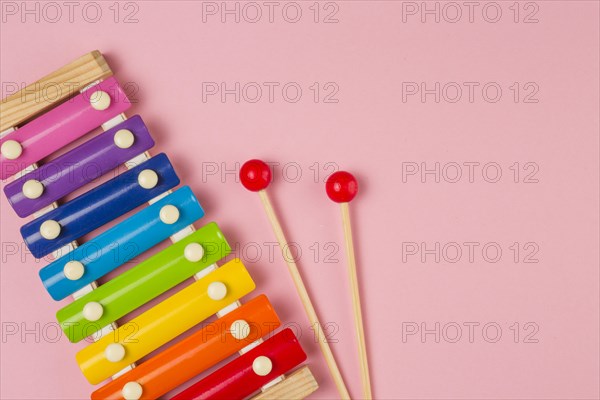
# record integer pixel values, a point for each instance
(62, 125)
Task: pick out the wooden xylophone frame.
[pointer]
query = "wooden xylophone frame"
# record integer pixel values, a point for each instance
(56, 88)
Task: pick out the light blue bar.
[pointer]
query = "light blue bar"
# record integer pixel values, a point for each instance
(121, 243)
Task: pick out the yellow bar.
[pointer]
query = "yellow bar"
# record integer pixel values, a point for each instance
(164, 322)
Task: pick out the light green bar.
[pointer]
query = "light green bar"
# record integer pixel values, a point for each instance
(142, 283)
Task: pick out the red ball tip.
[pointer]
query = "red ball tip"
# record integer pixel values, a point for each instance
(255, 175)
(341, 187)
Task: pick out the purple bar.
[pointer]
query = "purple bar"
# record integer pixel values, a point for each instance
(79, 166)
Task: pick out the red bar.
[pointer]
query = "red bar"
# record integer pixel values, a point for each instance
(237, 380)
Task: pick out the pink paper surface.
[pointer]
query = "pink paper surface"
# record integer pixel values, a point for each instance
(470, 136)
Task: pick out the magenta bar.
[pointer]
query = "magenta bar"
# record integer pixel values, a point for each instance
(63, 175)
(60, 126)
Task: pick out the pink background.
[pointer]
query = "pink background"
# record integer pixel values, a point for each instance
(168, 54)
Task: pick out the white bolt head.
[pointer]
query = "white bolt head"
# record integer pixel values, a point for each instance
(73, 270)
(93, 311)
(169, 214)
(114, 352)
(50, 229)
(262, 366)
(124, 138)
(240, 329)
(132, 391)
(33, 189)
(193, 252)
(217, 291)
(148, 179)
(11, 149)
(100, 100)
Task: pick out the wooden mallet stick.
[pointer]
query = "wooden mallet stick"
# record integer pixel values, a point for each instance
(341, 187)
(255, 175)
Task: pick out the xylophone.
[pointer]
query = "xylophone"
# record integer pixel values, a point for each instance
(48, 116)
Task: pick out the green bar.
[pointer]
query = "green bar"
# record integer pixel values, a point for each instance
(142, 283)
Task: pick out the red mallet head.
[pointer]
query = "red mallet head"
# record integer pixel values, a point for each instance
(255, 175)
(341, 187)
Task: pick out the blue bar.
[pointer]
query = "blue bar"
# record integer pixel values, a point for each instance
(99, 206)
(121, 243)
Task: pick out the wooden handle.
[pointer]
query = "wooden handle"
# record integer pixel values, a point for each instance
(306, 302)
(358, 322)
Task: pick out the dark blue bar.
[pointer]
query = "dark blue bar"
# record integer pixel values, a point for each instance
(99, 206)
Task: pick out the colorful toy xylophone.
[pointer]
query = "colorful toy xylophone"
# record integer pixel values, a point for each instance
(45, 117)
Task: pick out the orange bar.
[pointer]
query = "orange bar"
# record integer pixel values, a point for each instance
(188, 358)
